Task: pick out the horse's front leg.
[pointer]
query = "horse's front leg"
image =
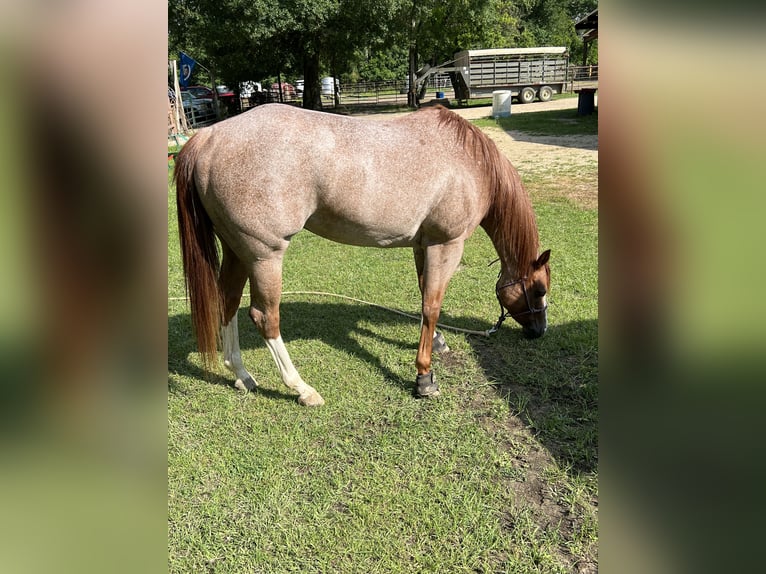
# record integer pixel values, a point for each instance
(439, 263)
(439, 345)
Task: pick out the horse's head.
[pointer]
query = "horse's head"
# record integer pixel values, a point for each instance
(524, 299)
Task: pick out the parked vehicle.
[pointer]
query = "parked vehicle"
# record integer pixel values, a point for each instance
(528, 73)
(288, 90)
(200, 92)
(199, 111)
(228, 98)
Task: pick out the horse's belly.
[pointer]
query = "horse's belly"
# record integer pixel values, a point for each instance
(363, 233)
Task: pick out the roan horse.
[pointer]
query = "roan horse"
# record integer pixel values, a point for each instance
(425, 181)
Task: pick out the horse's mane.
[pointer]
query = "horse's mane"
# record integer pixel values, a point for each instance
(510, 220)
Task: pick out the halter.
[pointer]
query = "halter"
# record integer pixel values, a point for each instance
(504, 314)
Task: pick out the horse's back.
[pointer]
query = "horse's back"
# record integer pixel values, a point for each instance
(277, 169)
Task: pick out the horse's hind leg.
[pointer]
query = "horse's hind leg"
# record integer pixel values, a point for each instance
(265, 291)
(232, 279)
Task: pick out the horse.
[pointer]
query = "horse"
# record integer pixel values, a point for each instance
(425, 181)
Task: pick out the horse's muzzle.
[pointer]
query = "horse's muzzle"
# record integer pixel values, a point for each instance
(534, 332)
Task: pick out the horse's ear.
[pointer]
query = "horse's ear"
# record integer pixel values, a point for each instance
(543, 259)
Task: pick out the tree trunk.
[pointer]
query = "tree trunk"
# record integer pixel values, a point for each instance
(312, 90)
(335, 83)
(412, 97)
(216, 103)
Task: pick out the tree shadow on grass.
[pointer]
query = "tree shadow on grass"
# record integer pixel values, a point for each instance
(562, 128)
(551, 384)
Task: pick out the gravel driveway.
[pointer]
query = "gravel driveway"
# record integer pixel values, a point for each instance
(516, 108)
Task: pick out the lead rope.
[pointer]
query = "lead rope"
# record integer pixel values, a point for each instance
(503, 316)
(503, 313)
(486, 333)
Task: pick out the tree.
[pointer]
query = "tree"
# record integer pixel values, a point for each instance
(348, 30)
(252, 39)
(436, 29)
(258, 38)
(544, 23)
(231, 37)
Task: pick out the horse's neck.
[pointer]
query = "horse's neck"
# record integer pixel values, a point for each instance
(508, 261)
(513, 232)
(508, 271)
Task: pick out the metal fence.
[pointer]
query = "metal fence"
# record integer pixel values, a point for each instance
(583, 77)
(386, 93)
(391, 92)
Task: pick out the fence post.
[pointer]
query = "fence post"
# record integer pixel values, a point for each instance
(182, 124)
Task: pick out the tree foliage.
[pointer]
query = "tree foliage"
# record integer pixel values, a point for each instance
(242, 40)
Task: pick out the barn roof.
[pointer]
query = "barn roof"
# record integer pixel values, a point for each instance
(516, 51)
(588, 26)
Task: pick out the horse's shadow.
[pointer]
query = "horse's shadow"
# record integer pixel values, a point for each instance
(336, 325)
(549, 383)
(181, 345)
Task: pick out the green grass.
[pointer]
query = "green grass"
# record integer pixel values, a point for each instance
(497, 475)
(550, 123)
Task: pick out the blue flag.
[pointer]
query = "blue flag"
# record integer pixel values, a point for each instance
(187, 66)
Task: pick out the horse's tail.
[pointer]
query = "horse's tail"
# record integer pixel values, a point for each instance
(199, 252)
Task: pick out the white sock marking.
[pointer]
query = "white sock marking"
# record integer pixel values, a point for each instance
(232, 356)
(287, 370)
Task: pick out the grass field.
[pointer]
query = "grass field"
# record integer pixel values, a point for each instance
(497, 475)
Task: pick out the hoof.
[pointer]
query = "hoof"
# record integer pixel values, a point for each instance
(439, 344)
(427, 386)
(312, 400)
(248, 384)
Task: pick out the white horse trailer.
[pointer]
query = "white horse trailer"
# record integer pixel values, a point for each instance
(528, 73)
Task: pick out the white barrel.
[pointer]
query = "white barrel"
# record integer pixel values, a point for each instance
(328, 87)
(501, 103)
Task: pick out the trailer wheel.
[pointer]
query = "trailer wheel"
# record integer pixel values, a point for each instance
(527, 95)
(545, 93)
